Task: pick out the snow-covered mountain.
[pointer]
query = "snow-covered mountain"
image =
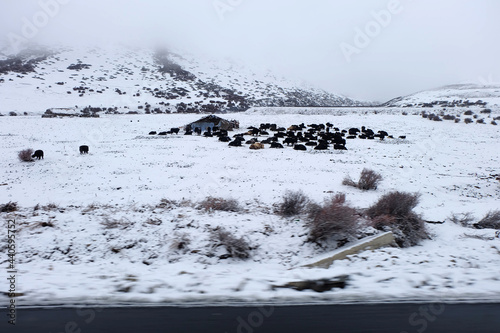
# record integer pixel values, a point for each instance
(459, 95)
(143, 80)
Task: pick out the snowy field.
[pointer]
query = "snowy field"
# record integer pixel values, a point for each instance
(103, 234)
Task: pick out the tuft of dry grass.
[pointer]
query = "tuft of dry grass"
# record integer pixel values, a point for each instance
(113, 223)
(95, 206)
(236, 247)
(167, 204)
(9, 207)
(50, 206)
(211, 204)
(180, 242)
(462, 219)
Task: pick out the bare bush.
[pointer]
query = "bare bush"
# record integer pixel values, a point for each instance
(333, 220)
(394, 212)
(25, 155)
(293, 203)
(462, 219)
(396, 203)
(489, 221)
(212, 204)
(9, 207)
(236, 247)
(349, 182)
(368, 180)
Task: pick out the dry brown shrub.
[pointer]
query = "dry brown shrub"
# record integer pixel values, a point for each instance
(293, 203)
(394, 212)
(333, 219)
(25, 155)
(368, 180)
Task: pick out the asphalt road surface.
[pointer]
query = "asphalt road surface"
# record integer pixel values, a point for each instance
(386, 318)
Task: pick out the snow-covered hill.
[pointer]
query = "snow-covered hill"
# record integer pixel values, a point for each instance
(459, 95)
(142, 80)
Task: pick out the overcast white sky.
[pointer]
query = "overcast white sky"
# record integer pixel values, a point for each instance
(413, 45)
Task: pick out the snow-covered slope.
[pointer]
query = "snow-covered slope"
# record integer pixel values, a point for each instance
(144, 80)
(459, 95)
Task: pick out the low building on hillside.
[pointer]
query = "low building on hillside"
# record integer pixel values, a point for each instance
(213, 121)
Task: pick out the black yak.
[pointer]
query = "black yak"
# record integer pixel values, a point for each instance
(38, 154)
(84, 149)
(276, 145)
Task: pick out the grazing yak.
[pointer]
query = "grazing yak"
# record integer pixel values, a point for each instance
(276, 145)
(235, 143)
(84, 149)
(290, 141)
(174, 130)
(152, 133)
(339, 147)
(38, 154)
(323, 145)
(299, 147)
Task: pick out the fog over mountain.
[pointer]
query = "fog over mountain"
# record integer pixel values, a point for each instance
(368, 49)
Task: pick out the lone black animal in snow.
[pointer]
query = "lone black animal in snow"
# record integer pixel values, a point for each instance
(84, 149)
(38, 154)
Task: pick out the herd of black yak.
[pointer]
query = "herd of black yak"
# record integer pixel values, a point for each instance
(315, 136)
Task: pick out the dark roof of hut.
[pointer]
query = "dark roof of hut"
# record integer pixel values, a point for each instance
(217, 121)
